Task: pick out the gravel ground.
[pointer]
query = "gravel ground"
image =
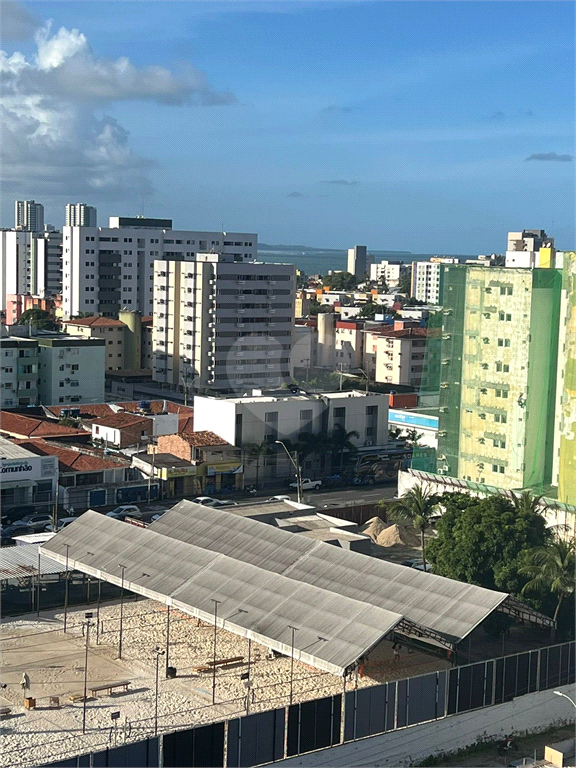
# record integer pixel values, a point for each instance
(55, 664)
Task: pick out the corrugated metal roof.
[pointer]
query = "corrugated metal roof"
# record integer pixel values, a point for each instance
(448, 607)
(18, 562)
(334, 631)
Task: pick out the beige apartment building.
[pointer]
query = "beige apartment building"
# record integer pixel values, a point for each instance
(395, 354)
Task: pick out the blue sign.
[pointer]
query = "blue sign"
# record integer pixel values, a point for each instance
(412, 419)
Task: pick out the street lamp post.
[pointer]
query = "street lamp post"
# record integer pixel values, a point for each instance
(158, 653)
(294, 630)
(296, 465)
(66, 590)
(121, 610)
(564, 696)
(363, 372)
(216, 602)
(87, 624)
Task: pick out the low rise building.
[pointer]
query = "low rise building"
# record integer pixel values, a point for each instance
(395, 354)
(264, 418)
(19, 368)
(70, 369)
(391, 272)
(27, 479)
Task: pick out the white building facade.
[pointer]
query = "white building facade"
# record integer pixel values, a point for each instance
(389, 271)
(262, 418)
(81, 215)
(26, 477)
(106, 269)
(28, 215)
(428, 279)
(30, 262)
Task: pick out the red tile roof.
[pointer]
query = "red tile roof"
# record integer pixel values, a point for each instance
(26, 426)
(403, 333)
(70, 460)
(120, 420)
(95, 322)
(157, 406)
(203, 439)
(90, 411)
(185, 425)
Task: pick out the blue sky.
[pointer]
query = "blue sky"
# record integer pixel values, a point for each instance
(399, 125)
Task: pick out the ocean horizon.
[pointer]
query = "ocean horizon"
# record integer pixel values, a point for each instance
(313, 261)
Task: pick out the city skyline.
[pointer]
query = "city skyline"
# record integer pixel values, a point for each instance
(429, 127)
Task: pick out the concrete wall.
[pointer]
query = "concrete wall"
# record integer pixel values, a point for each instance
(526, 714)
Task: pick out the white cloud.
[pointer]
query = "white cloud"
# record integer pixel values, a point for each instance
(55, 139)
(15, 21)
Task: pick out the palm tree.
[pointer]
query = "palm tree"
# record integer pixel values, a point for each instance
(254, 453)
(341, 441)
(419, 505)
(525, 502)
(551, 569)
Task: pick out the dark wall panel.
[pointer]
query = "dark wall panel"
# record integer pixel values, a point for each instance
(553, 667)
(510, 673)
(499, 685)
(391, 689)
(464, 688)
(489, 684)
(402, 706)
(422, 699)
(256, 739)
(314, 724)
(571, 663)
(441, 693)
(293, 740)
(564, 657)
(533, 671)
(522, 674)
(203, 746)
(477, 684)
(452, 690)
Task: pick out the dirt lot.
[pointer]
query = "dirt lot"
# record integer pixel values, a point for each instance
(55, 664)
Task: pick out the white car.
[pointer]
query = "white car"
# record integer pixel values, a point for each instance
(280, 498)
(157, 516)
(308, 485)
(204, 500)
(62, 523)
(127, 510)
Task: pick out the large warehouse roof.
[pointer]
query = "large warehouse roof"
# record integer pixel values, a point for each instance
(334, 631)
(448, 607)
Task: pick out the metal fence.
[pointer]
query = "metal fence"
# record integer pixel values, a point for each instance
(266, 737)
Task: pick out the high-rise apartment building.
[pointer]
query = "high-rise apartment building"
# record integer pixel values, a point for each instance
(106, 269)
(428, 279)
(499, 360)
(81, 215)
(28, 216)
(389, 271)
(221, 324)
(357, 261)
(30, 263)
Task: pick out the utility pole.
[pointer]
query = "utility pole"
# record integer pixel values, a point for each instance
(216, 602)
(296, 465)
(158, 653)
(87, 624)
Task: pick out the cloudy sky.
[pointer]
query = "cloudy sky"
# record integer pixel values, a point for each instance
(433, 127)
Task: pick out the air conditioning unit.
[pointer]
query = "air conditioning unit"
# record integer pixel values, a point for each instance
(446, 336)
(487, 315)
(368, 442)
(480, 465)
(443, 409)
(441, 457)
(444, 385)
(442, 433)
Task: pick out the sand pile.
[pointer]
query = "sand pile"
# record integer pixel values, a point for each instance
(398, 534)
(373, 528)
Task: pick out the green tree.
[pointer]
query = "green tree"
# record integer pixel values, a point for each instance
(341, 441)
(254, 453)
(483, 541)
(340, 281)
(38, 318)
(551, 570)
(370, 310)
(405, 284)
(419, 506)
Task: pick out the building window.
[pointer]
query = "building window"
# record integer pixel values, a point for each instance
(306, 415)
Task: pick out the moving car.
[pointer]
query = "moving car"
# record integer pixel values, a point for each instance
(122, 512)
(308, 485)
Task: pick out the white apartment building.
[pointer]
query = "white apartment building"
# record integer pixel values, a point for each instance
(390, 271)
(26, 477)
(81, 215)
(264, 418)
(531, 248)
(28, 216)
(428, 279)
(19, 371)
(106, 269)
(221, 324)
(395, 355)
(70, 370)
(30, 262)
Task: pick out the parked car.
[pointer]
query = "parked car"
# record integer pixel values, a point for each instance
(17, 514)
(16, 529)
(37, 522)
(308, 485)
(204, 500)
(124, 511)
(157, 516)
(280, 498)
(224, 503)
(62, 523)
